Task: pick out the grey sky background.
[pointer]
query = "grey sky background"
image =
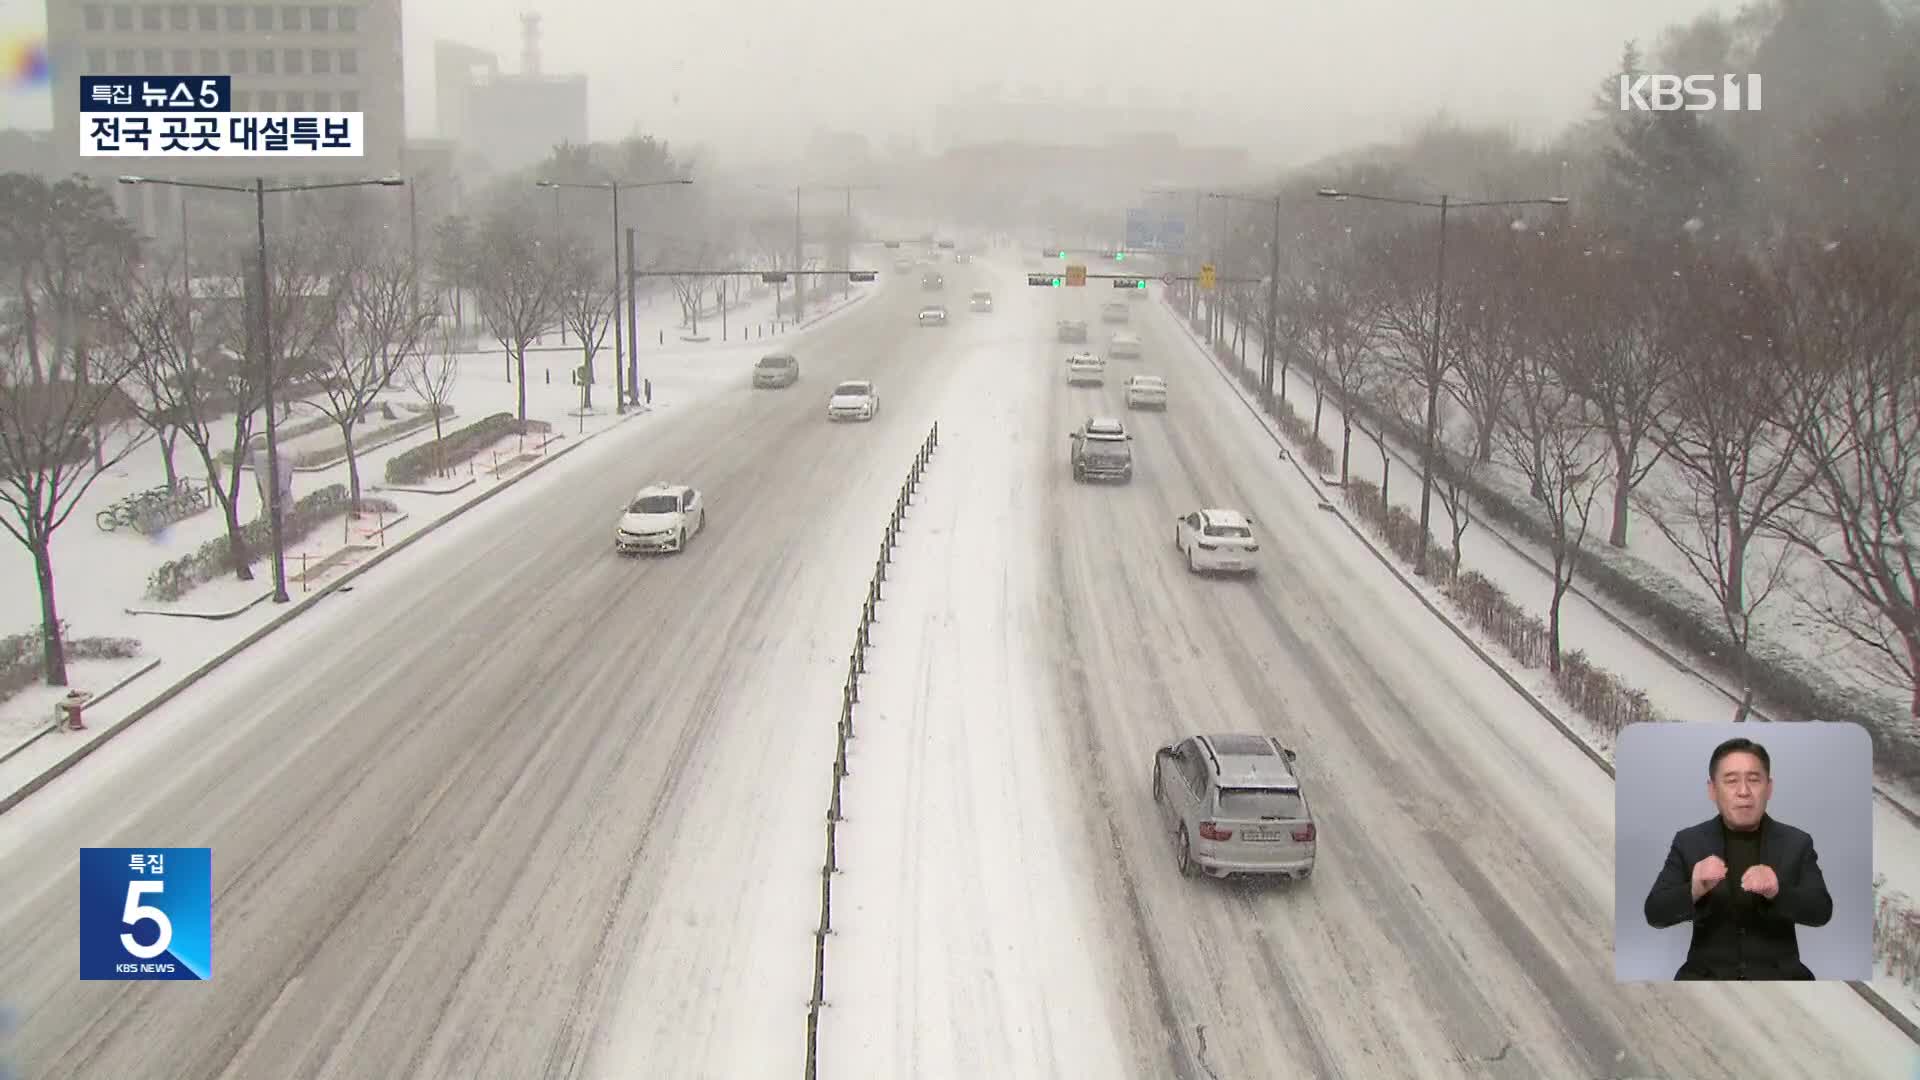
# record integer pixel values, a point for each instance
(756, 78)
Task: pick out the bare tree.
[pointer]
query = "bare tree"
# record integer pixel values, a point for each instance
(1550, 437)
(430, 371)
(377, 323)
(196, 387)
(64, 418)
(1494, 312)
(1739, 403)
(1393, 401)
(1408, 313)
(1454, 487)
(518, 292)
(690, 289)
(586, 307)
(1605, 331)
(1861, 447)
(1341, 326)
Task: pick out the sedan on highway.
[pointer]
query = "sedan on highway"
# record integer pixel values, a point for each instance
(1235, 807)
(933, 315)
(981, 300)
(1125, 346)
(661, 517)
(1146, 392)
(1086, 368)
(1071, 330)
(1216, 539)
(853, 400)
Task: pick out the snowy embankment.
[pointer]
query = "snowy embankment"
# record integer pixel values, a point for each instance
(103, 578)
(1676, 690)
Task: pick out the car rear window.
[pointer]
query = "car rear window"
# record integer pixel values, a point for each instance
(655, 504)
(1252, 804)
(1231, 532)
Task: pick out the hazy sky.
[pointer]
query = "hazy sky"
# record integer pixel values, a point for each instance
(1291, 73)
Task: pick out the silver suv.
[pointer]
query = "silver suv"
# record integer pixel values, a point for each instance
(1235, 807)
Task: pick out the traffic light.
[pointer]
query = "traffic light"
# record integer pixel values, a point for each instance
(859, 275)
(1206, 276)
(1076, 274)
(1043, 279)
(1119, 256)
(1129, 283)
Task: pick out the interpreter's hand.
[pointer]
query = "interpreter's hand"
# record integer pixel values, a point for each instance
(1762, 881)
(1707, 873)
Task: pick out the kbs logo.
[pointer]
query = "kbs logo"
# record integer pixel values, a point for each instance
(146, 913)
(1691, 93)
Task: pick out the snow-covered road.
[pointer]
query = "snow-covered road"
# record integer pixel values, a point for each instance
(515, 807)
(1027, 916)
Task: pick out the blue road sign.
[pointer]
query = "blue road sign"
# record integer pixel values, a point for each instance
(1155, 230)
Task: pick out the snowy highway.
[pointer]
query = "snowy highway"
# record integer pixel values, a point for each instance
(517, 807)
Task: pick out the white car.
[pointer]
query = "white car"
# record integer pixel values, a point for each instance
(933, 315)
(1125, 346)
(1146, 392)
(855, 400)
(1085, 367)
(661, 517)
(1115, 312)
(1216, 540)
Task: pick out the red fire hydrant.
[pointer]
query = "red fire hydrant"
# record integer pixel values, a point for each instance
(68, 709)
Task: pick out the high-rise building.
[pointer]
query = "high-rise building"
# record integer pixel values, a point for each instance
(509, 120)
(345, 55)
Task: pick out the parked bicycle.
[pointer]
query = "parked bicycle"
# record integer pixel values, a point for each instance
(155, 508)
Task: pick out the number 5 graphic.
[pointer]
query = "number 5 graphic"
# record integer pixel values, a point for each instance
(137, 912)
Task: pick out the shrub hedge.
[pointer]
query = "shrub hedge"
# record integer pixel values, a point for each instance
(456, 447)
(215, 557)
(22, 656)
(323, 455)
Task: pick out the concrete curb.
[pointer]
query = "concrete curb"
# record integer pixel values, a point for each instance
(296, 609)
(463, 485)
(97, 698)
(1880, 1004)
(210, 615)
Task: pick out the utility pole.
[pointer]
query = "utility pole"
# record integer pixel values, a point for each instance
(619, 402)
(799, 259)
(633, 331)
(266, 368)
(847, 283)
(1271, 353)
(413, 242)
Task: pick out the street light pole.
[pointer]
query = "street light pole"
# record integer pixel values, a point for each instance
(1428, 437)
(266, 367)
(799, 259)
(619, 344)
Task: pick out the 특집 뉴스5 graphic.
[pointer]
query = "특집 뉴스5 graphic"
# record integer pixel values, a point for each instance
(146, 913)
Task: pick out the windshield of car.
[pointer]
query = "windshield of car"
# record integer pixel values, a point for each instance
(655, 504)
(1250, 804)
(1230, 532)
(774, 361)
(850, 389)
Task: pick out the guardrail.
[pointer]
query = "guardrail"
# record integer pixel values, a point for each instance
(849, 697)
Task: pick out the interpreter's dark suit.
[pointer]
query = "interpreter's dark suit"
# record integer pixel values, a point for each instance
(1736, 934)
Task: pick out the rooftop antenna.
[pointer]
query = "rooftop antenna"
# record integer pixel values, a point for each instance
(530, 44)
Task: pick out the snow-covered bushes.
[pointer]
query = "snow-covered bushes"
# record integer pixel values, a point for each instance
(22, 655)
(215, 557)
(456, 447)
